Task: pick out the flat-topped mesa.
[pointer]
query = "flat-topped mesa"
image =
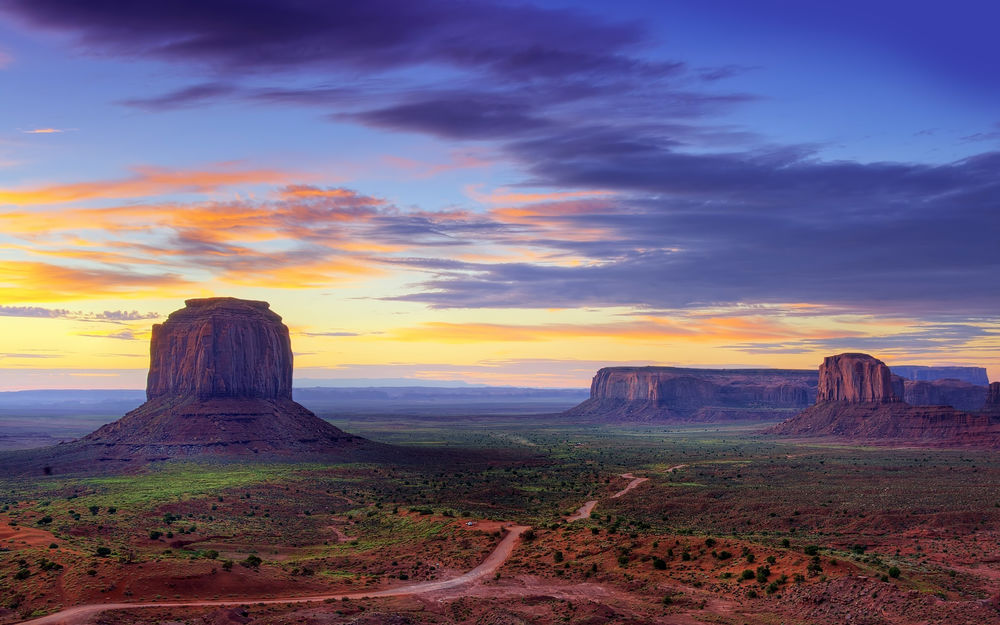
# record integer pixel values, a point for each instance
(857, 379)
(221, 347)
(924, 373)
(683, 394)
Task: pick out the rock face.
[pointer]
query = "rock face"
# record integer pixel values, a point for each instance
(992, 405)
(948, 392)
(679, 394)
(221, 347)
(219, 386)
(857, 379)
(972, 375)
(859, 400)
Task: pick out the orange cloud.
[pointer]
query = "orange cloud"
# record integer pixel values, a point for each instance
(647, 329)
(43, 131)
(147, 181)
(424, 169)
(22, 281)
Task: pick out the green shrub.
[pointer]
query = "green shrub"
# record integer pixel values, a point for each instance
(252, 561)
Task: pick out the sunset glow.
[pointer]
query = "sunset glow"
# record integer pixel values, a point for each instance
(519, 206)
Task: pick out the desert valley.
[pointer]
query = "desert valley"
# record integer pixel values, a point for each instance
(669, 496)
(499, 312)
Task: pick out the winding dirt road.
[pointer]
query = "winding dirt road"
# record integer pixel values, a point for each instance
(586, 509)
(583, 512)
(635, 482)
(81, 614)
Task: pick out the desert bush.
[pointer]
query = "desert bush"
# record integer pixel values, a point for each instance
(252, 561)
(763, 572)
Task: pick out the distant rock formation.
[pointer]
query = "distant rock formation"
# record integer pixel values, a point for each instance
(992, 405)
(948, 392)
(972, 375)
(859, 399)
(857, 379)
(682, 394)
(219, 386)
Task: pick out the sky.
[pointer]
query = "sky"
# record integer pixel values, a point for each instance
(509, 193)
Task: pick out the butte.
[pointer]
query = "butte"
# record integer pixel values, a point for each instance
(219, 387)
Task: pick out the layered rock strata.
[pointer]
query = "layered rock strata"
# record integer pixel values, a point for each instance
(859, 400)
(856, 379)
(681, 394)
(219, 386)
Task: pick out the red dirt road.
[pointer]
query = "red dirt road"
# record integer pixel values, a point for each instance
(635, 482)
(583, 512)
(80, 614)
(586, 509)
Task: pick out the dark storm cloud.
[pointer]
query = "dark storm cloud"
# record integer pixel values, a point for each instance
(700, 214)
(516, 41)
(703, 230)
(468, 116)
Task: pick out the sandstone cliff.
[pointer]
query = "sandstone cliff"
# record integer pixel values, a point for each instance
(856, 379)
(859, 400)
(221, 347)
(680, 394)
(992, 405)
(219, 386)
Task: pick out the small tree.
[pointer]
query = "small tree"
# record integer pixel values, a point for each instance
(894, 572)
(252, 561)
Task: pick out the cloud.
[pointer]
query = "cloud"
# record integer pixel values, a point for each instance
(185, 97)
(628, 194)
(145, 181)
(942, 339)
(122, 335)
(36, 312)
(39, 312)
(28, 281)
(515, 41)
(44, 131)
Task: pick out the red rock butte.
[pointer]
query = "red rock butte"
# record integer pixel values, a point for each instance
(856, 379)
(683, 394)
(859, 399)
(219, 386)
(221, 347)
